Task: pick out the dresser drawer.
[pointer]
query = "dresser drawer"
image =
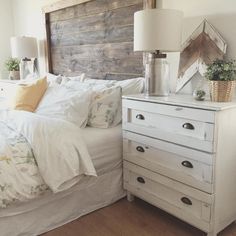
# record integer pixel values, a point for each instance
(183, 164)
(157, 121)
(189, 204)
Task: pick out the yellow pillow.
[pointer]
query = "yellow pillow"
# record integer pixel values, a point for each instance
(28, 96)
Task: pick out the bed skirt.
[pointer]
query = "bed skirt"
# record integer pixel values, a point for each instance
(49, 212)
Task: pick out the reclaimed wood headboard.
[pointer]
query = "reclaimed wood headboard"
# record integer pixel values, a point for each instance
(93, 37)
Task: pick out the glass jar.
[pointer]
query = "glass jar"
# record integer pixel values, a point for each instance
(157, 75)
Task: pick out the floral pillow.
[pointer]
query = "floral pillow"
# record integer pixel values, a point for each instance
(105, 107)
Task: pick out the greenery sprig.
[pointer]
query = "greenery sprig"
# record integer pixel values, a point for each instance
(221, 70)
(12, 64)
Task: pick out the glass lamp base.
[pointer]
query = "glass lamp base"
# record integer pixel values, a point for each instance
(157, 76)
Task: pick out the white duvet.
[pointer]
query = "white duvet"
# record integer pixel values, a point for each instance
(37, 152)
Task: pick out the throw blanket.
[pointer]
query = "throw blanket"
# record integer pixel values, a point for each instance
(37, 154)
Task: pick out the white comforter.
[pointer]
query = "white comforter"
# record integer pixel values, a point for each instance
(53, 151)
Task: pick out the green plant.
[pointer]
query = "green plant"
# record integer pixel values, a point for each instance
(221, 70)
(199, 95)
(12, 64)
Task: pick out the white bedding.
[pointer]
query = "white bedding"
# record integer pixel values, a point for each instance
(105, 149)
(58, 149)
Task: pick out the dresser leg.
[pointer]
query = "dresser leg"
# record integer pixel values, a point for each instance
(130, 197)
(213, 233)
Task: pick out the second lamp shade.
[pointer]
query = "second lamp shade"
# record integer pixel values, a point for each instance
(24, 47)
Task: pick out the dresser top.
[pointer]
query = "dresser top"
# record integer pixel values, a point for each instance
(184, 101)
(7, 81)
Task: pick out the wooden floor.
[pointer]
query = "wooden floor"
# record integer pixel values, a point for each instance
(131, 219)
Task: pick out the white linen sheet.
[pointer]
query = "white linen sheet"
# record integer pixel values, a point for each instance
(61, 155)
(104, 147)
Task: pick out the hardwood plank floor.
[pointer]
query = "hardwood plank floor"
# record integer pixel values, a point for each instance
(131, 219)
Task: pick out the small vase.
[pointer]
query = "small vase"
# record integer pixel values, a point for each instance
(222, 91)
(14, 75)
(199, 92)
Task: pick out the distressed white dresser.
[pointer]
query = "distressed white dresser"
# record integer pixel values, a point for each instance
(180, 155)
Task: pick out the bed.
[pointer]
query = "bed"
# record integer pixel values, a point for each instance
(109, 57)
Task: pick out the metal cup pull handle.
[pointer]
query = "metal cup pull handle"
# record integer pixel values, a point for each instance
(140, 117)
(141, 180)
(188, 126)
(140, 149)
(187, 164)
(186, 201)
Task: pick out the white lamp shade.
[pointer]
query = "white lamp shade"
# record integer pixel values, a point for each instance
(157, 29)
(24, 47)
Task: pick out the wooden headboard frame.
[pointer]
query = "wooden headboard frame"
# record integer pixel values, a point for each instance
(71, 50)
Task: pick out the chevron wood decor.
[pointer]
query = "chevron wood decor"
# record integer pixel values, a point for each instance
(203, 47)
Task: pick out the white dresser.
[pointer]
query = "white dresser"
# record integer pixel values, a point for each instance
(180, 155)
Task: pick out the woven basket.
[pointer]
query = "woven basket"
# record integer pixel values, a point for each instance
(222, 91)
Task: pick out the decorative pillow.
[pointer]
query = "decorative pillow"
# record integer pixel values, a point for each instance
(66, 103)
(28, 96)
(106, 105)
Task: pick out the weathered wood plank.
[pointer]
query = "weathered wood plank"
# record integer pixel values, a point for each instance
(96, 22)
(91, 8)
(97, 66)
(106, 75)
(109, 35)
(109, 51)
(48, 39)
(62, 4)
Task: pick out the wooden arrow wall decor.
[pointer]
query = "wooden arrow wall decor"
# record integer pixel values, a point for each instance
(202, 47)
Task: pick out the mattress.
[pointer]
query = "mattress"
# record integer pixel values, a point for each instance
(105, 148)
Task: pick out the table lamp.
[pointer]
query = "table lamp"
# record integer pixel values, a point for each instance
(157, 31)
(25, 48)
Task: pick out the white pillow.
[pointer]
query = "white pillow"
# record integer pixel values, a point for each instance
(93, 82)
(78, 78)
(53, 79)
(65, 103)
(129, 86)
(105, 107)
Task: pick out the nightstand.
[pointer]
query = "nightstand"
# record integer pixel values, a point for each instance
(7, 87)
(180, 155)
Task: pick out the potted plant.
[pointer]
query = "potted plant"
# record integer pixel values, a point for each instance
(222, 78)
(13, 66)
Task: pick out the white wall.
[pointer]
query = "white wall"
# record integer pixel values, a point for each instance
(6, 29)
(220, 13)
(28, 21)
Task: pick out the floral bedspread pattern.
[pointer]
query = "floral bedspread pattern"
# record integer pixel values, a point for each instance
(19, 175)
